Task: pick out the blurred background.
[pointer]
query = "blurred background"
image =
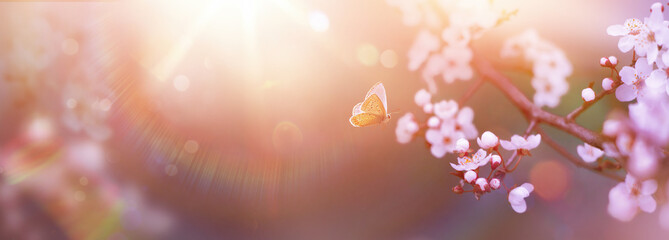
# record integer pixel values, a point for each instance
(229, 120)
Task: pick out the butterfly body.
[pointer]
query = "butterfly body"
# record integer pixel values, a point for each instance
(373, 110)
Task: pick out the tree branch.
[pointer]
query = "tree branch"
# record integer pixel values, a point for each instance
(573, 159)
(531, 111)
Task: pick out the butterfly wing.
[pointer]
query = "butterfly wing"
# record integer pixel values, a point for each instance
(374, 106)
(365, 119)
(357, 109)
(380, 91)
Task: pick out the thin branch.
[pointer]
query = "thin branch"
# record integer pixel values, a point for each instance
(576, 161)
(531, 111)
(470, 92)
(571, 116)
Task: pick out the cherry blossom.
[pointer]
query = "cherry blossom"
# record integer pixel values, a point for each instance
(496, 160)
(520, 143)
(446, 109)
(462, 146)
(626, 198)
(422, 97)
(470, 176)
(588, 94)
(457, 63)
(488, 140)
(442, 140)
(633, 79)
(466, 163)
(495, 183)
(482, 183)
(406, 128)
(607, 84)
(517, 197)
(589, 153)
(424, 44)
(634, 34)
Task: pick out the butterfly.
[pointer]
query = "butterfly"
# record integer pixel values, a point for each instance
(373, 110)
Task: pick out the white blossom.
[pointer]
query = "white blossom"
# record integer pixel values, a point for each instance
(470, 176)
(589, 153)
(406, 128)
(466, 163)
(488, 140)
(517, 197)
(626, 198)
(588, 94)
(520, 143)
(495, 183)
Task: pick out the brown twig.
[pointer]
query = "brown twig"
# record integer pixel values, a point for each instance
(572, 115)
(576, 161)
(470, 92)
(531, 111)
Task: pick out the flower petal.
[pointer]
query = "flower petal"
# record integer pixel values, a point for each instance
(628, 75)
(648, 187)
(507, 145)
(438, 150)
(657, 79)
(626, 93)
(616, 30)
(533, 141)
(625, 44)
(647, 203)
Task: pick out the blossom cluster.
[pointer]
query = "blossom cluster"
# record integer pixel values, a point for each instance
(443, 51)
(550, 66)
(446, 122)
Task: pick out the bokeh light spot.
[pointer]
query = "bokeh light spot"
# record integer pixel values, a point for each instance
(79, 196)
(69, 46)
(368, 55)
(191, 146)
(319, 21)
(286, 136)
(40, 129)
(181, 83)
(388, 58)
(71, 103)
(550, 179)
(171, 170)
(83, 181)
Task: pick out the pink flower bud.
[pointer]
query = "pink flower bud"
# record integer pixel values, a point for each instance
(607, 84)
(495, 183)
(422, 97)
(462, 145)
(482, 183)
(488, 140)
(458, 189)
(604, 62)
(613, 60)
(588, 94)
(470, 176)
(496, 161)
(433, 122)
(427, 108)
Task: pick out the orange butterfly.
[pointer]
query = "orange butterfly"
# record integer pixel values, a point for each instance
(373, 110)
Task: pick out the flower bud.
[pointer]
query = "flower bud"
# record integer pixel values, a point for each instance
(458, 189)
(495, 183)
(470, 176)
(427, 108)
(607, 84)
(422, 97)
(482, 184)
(604, 62)
(612, 127)
(488, 140)
(433, 122)
(588, 94)
(613, 60)
(462, 145)
(496, 161)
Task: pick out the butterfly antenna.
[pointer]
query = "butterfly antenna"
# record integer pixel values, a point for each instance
(397, 110)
